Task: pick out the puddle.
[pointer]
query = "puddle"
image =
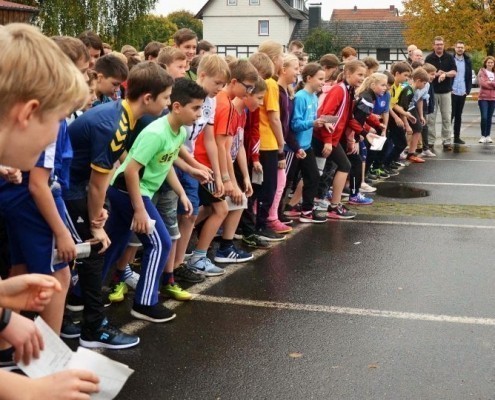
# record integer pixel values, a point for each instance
(460, 148)
(401, 191)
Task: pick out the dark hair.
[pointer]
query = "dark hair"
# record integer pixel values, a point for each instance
(184, 35)
(72, 47)
(416, 64)
(370, 62)
(329, 61)
(91, 39)
(400, 67)
(390, 77)
(185, 90)
(111, 66)
(308, 71)
(259, 86)
(204, 45)
(91, 76)
(243, 70)
(152, 49)
(147, 77)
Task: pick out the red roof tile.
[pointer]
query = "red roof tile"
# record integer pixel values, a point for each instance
(8, 5)
(365, 14)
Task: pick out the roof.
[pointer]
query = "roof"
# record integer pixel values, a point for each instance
(7, 5)
(365, 14)
(291, 12)
(360, 34)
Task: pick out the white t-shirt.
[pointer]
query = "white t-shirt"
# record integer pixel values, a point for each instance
(490, 75)
(207, 117)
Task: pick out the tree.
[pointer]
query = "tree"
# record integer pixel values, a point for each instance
(185, 19)
(152, 27)
(320, 42)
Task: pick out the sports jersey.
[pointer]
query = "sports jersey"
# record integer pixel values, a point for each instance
(305, 109)
(270, 103)
(395, 93)
(207, 118)
(156, 148)
(382, 104)
(98, 140)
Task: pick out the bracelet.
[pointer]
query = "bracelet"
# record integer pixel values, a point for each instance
(5, 318)
(225, 178)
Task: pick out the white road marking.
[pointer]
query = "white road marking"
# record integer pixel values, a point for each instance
(459, 160)
(428, 224)
(442, 183)
(347, 310)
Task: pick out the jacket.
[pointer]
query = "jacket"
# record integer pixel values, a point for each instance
(487, 87)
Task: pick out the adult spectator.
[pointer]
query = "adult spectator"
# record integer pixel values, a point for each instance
(417, 56)
(442, 87)
(94, 44)
(460, 88)
(410, 50)
(486, 98)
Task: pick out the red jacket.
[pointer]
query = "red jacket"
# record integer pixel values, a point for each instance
(252, 136)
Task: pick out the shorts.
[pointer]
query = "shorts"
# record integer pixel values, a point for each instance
(166, 204)
(190, 186)
(134, 241)
(417, 127)
(206, 197)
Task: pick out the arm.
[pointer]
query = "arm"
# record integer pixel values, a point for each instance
(189, 164)
(140, 219)
(43, 198)
(212, 151)
(419, 106)
(236, 194)
(174, 183)
(276, 125)
(221, 141)
(97, 189)
(242, 163)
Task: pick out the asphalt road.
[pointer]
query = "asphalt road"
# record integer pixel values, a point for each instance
(397, 304)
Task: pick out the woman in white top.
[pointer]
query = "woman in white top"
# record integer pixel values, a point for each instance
(486, 98)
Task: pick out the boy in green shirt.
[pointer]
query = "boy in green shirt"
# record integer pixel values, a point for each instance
(136, 181)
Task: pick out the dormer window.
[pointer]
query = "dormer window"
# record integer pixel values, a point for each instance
(231, 2)
(298, 4)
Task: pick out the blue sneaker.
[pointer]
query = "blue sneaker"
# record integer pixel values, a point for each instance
(205, 267)
(108, 337)
(231, 254)
(360, 200)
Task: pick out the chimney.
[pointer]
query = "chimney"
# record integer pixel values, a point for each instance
(355, 8)
(314, 16)
(392, 8)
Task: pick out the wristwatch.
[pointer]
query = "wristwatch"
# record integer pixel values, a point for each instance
(5, 318)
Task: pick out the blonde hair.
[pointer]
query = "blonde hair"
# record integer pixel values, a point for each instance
(420, 74)
(370, 80)
(119, 55)
(33, 67)
(168, 55)
(263, 64)
(429, 67)
(213, 65)
(288, 58)
(271, 48)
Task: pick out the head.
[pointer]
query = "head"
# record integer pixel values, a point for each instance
(31, 109)
(106, 48)
(94, 44)
(420, 78)
(354, 72)
(175, 60)
(111, 71)
(92, 90)
(430, 70)
(377, 82)
(76, 51)
(274, 50)
(459, 48)
(330, 64)
(186, 101)
(372, 65)
(390, 79)
(313, 77)
(290, 69)
(151, 50)
(213, 73)
(438, 45)
(296, 46)
(488, 63)
(243, 77)
(150, 85)
(401, 71)
(417, 56)
(229, 58)
(303, 60)
(254, 100)
(410, 50)
(186, 40)
(205, 47)
(263, 64)
(128, 50)
(348, 54)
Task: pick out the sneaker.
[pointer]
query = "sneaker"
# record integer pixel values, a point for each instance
(391, 172)
(292, 211)
(399, 164)
(365, 188)
(488, 139)
(415, 159)
(270, 236)
(447, 146)
(368, 181)
(255, 241)
(311, 217)
(157, 313)
(402, 156)
(133, 280)
(205, 267)
(340, 212)
(278, 227)
(371, 176)
(393, 165)
(482, 139)
(74, 303)
(176, 292)
(184, 274)
(232, 254)
(238, 234)
(459, 141)
(70, 330)
(427, 153)
(285, 220)
(380, 173)
(118, 292)
(321, 204)
(360, 200)
(107, 336)
(189, 252)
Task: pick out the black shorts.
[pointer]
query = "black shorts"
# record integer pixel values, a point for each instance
(417, 127)
(206, 196)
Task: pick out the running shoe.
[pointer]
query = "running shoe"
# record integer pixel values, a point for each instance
(157, 313)
(360, 200)
(340, 212)
(278, 227)
(255, 241)
(311, 217)
(118, 292)
(270, 236)
(184, 274)
(107, 336)
(205, 267)
(415, 159)
(232, 254)
(133, 280)
(174, 291)
(365, 188)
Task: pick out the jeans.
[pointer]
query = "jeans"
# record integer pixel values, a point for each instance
(486, 109)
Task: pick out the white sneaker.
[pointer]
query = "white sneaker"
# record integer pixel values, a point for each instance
(132, 281)
(427, 153)
(482, 139)
(488, 139)
(365, 188)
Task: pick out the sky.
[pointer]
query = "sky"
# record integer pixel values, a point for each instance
(166, 6)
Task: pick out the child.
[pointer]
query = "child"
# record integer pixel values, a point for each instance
(175, 61)
(151, 50)
(186, 40)
(136, 180)
(301, 157)
(330, 64)
(111, 71)
(94, 45)
(428, 108)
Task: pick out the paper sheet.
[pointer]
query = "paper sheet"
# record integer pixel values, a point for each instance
(378, 143)
(232, 206)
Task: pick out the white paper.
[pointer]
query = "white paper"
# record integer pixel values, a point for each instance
(83, 250)
(378, 143)
(57, 356)
(232, 206)
(151, 225)
(257, 177)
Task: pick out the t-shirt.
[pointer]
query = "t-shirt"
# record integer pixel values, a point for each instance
(305, 109)
(98, 140)
(406, 98)
(155, 148)
(395, 93)
(445, 63)
(270, 103)
(382, 104)
(207, 118)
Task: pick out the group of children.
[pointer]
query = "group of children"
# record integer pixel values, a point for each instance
(236, 149)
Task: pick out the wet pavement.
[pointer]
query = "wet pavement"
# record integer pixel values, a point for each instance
(397, 304)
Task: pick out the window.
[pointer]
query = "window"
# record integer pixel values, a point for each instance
(263, 28)
(254, 2)
(383, 54)
(231, 2)
(298, 5)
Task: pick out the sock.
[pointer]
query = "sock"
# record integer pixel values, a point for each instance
(333, 205)
(197, 254)
(168, 278)
(127, 273)
(117, 277)
(226, 243)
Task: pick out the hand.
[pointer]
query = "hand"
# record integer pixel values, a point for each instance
(409, 130)
(219, 188)
(100, 236)
(14, 175)
(236, 195)
(383, 126)
(352, 148)
(186, 204)
(258, 167)
(442, 77)
(228, 188)
(209, 171)
(248, 186)
(318, 123)
(68, 384)
(327, 150)
(99, 222)
(140, 221)
(24, 336)
(201, 175)
(301, 154)
(281, 164)
(30, 292)
(422, 120)
(411, 117)
(399, 123)
(371, 136)
(66, 248)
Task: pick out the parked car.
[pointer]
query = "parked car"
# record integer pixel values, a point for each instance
(474, 79)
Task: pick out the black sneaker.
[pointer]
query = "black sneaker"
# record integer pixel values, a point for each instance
(184, 274)
(391, 172)
(70, 330)
(269, 235)
(285, 220)
(371, 176)
(459, 141)
(74, 303)
(368, 181)
(157, 313)
(255, 241)
(107, 336)
(311, 217)
(393, 166)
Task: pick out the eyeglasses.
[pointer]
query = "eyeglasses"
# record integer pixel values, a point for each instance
(249, 88)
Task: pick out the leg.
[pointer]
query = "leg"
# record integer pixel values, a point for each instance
(445, 100)
(269, 161)
(432, 120)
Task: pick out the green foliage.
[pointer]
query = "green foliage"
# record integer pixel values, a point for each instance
(185, 19)
(477, 58)
(320, 42)
(152, 27)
